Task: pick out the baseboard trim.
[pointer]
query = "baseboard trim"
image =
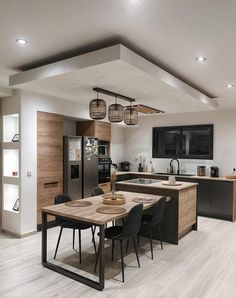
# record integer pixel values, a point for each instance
(18, 235)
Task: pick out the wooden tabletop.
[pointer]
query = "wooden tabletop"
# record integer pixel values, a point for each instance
(89, 214)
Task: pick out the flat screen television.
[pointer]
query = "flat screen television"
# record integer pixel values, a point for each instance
(186, 142)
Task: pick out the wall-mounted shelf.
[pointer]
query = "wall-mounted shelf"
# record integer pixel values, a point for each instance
(10, 196)
(11, 150)
(11, 163)
(10, 127)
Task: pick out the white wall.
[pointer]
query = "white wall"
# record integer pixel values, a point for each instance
(30, 104)
(117, 143)
(11, 220)
(138, 140)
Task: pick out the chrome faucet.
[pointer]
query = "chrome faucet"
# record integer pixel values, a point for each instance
(172, 168)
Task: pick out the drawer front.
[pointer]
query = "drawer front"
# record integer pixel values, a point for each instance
(46, 195)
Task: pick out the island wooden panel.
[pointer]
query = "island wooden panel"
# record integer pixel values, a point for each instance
(50, 159)
(187, 210)
(179, 216)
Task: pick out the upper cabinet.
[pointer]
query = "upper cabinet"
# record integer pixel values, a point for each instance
(186, 142)
(98, 129)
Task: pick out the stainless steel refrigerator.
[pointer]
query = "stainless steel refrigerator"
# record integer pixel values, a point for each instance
(80, 166)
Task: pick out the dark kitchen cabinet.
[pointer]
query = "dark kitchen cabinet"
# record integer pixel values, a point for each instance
(221, 197)
(215, 198)
(123, 177)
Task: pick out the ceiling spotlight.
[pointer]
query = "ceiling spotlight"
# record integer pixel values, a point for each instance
(229, 86)
(200, 59)
(21, 41)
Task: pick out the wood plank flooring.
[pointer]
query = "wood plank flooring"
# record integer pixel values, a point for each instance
(202, 265)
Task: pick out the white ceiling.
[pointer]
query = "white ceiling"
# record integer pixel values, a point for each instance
(171, 33)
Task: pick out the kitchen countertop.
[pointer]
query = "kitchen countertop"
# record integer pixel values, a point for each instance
(184, 185)
(182, 175)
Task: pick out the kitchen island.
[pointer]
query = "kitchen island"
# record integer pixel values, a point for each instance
(180, 215)
(216, 195)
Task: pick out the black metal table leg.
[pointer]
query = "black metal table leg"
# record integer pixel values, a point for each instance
(80, 278)
(101, 258)
(44, 238)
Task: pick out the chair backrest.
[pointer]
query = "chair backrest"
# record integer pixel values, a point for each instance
(59, 199)
(132, 222)
(96, 191)
(62, 198)
(158, 211)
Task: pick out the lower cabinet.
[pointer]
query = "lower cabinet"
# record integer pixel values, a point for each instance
(106, 187)
(215, 198)
(124, 177)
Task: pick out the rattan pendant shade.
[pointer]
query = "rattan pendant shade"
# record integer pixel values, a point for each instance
(130, 116)
(97, 109)
(115, 112)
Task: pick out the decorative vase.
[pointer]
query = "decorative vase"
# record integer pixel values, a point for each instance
(113, 181)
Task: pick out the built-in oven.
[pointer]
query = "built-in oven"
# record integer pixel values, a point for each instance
(102, 150)
(104, 169)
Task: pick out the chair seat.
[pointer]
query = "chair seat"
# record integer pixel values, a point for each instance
(73, 225)
(113, 232)
(146, 219)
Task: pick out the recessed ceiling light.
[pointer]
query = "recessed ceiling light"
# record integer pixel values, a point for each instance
(229, 86)
(200, 59)
(22, 41)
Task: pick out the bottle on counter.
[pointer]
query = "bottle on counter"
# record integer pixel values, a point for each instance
(150, 167)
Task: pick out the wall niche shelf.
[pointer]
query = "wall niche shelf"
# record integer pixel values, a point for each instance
(11, 194)
(10, 127)
(11, 191)
(11, 163)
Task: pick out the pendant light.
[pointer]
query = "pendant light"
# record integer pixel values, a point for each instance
(115, 112)
(130, 115)
(97, 108)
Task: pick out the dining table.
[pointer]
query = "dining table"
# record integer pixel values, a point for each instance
(90, 214)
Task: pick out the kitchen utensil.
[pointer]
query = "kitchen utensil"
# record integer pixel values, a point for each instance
(124, 166)
(201, 170)
(214, 171)
(171, 179)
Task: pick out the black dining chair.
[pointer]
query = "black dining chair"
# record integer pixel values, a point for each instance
(121, 233)
(69, 224)
(154, 220)
(96, 191)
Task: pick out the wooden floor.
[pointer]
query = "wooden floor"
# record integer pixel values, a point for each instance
(203, 265)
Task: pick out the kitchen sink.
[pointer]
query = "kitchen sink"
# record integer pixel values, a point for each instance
(142, 181)
(175, 174)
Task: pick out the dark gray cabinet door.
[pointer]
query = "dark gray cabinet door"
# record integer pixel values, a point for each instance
(222, 197)
(215, 198)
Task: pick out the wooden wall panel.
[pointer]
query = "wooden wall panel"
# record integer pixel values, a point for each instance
(50, 159)
(98, 129)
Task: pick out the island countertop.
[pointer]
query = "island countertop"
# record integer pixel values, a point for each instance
(160, 185)
(182, 176)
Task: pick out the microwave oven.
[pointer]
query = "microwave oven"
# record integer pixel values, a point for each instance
(102, 150)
